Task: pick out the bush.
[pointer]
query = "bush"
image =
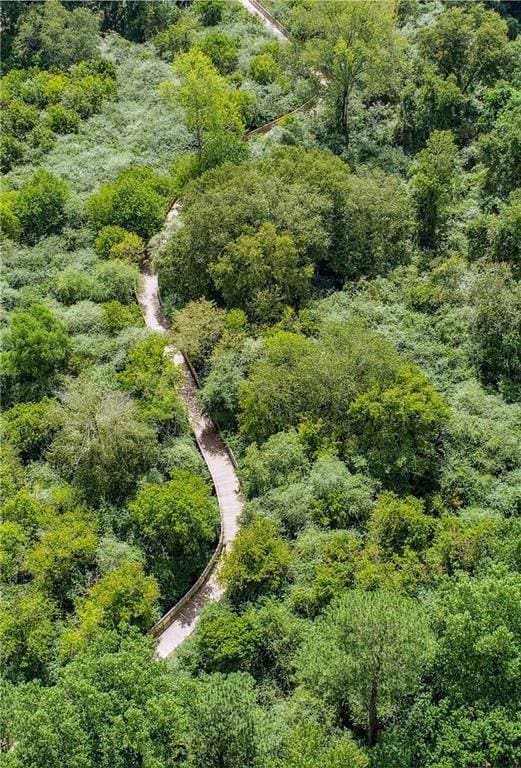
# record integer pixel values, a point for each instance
(20, 118)
(62, 120)
(131, 248)
(9, 222)
(11, 152)
(117, 316)
(116, 280)
(221, 50)
(263, 69)
(106, 238)
(40, 205)
(136, 200)
(72, 285)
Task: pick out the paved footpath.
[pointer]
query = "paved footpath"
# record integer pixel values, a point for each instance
(210, 443)
(217, 459)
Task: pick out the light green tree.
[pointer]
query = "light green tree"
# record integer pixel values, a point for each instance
(367, 651)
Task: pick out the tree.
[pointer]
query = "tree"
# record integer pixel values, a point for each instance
(433, 181)
(500, 152)
(177, 38)
(398, 428)
(177, 523)
(39, 205)
(29, 427)
(263, 69)
(353, 45)
(433, 104)
(51, 36)
(398, 524)
(226, 725)
(153, 377)
(124, 596)
(468, 42)
(477, 622)
(279, 461)
(136, 201)
(257, 563)
(102, 447)
(262, 273)
(37, 349)
(28, 634)
(197, 329)
(210, 105)
(113, 704)
(63, 552)
(209, 11)
(222, 51)
(496, 324)
(364, 654)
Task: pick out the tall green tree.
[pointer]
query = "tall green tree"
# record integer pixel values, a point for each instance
(367, 651)
(353, 45)
(433, 180)
(102, 446)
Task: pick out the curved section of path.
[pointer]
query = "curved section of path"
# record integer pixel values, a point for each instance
(180, 620)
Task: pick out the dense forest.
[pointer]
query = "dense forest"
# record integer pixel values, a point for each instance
(346, 288)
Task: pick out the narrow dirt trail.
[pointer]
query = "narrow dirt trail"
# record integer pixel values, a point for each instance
(180, 620)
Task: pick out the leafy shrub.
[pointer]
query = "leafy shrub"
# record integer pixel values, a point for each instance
(116, 280)
(20, 118)
(9, 221)
(106, 238)
(135, 200)
(263, 69)
(222, 51)
(40, 204)
(117, 316)
(62, 120)
(131, 248)
(72, 285)
(11, 152)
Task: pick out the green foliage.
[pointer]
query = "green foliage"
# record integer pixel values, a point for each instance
(198, 327)
(209, 11)
(280, 460)
(116, 280)
(37, 349)
(500, 152)
(29, 427)
(64, 550)
(227, 723)
(52, 36)
(433, 179)
(117, 316)
(400, 524)
(263, 69)
(263, 273)
(177, 38)
(222, 51)
(177, 522)
(367, 651)
(39, 205)
(477, 623)
(211, 107)
(353, 45)
(151, 376)
(28, 634)
(399, 429)
(135, 200)
(496, 324)
(124, 596)
(468, 42)
(102, 447)
(257, 564)
(62, 120)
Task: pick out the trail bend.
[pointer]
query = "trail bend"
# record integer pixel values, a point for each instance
(181, 619)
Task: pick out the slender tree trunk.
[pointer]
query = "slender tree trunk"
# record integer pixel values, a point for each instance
(344, 114)
(372, 721)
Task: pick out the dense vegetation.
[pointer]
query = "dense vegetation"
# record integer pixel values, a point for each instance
(347, 288)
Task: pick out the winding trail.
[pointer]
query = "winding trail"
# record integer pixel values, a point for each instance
(180, 620)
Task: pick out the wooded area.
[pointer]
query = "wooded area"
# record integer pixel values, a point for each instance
(346, 288)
